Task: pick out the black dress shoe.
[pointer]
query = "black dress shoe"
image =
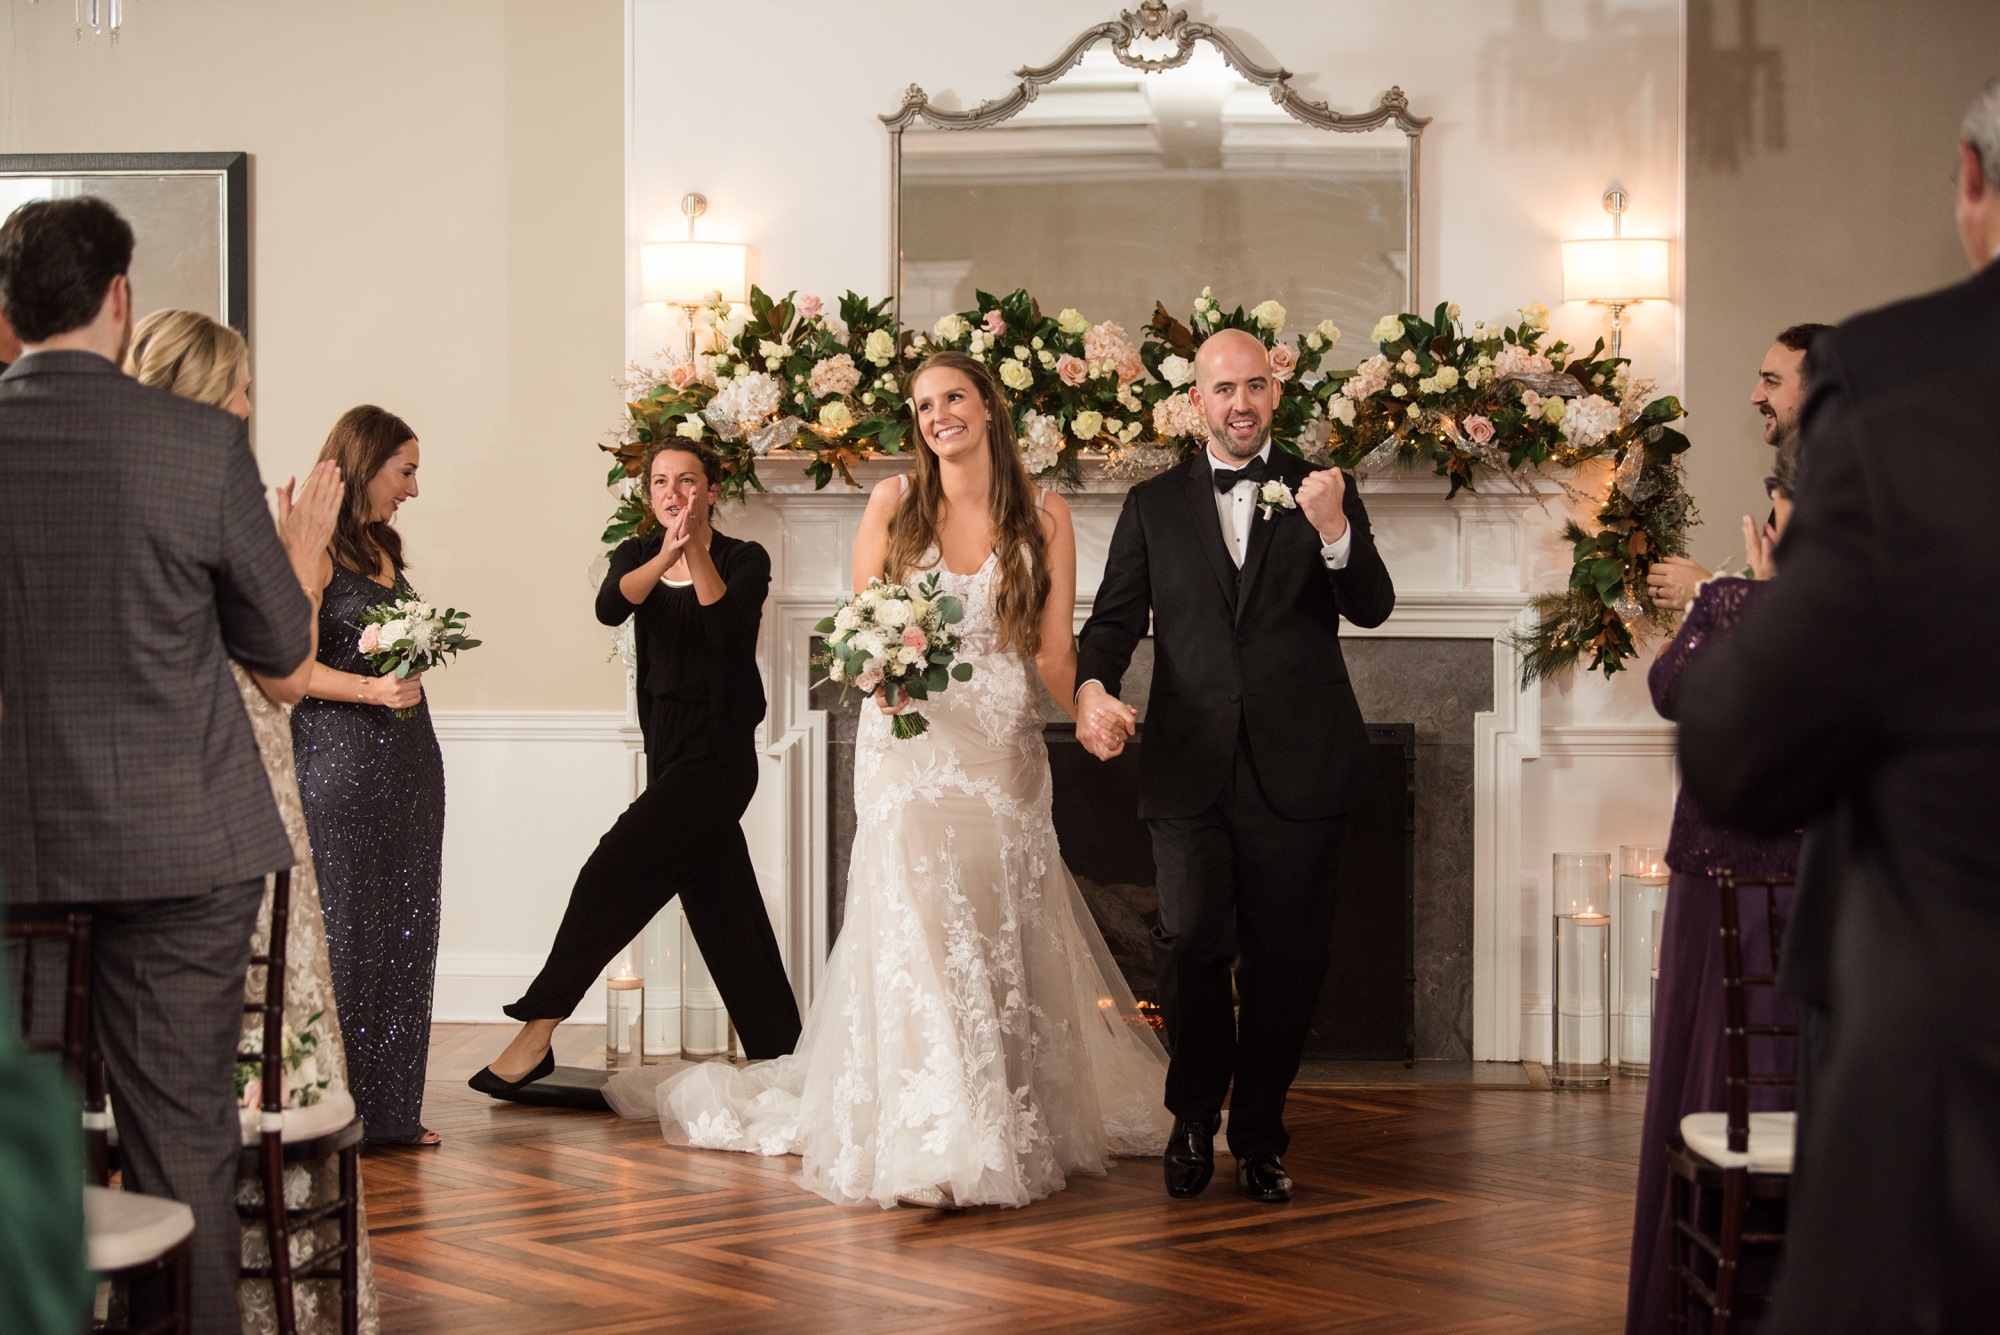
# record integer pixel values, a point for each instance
(1189, 1159)
(1262, 1178)
(488, 1083)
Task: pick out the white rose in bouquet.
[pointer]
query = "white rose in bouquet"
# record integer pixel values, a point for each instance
(847, 619)
(892, 613)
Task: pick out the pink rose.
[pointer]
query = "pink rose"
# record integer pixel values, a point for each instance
(994, 323)
(913, 638)
(1479, 429)
(868, 680)
(809, 306)
(1284, 361)
(1072, 370)
(371, 638)
(680, 377)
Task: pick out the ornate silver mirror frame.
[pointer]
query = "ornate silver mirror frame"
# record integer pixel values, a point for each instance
(1154, 23)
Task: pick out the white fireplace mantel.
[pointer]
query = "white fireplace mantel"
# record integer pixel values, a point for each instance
(1464, 569)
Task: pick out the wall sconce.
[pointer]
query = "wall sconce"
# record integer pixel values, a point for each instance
(1617, 271)
(683, 273)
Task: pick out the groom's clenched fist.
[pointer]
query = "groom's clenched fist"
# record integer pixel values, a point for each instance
(1322, 497)
(1103, 721)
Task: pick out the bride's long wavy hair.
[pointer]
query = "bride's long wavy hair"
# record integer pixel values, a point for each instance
(1020, 545)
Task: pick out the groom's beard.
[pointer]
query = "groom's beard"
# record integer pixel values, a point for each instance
(1249, 451)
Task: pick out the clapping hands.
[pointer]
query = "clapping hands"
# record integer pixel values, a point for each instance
(1758, 542)
(307, 514)
(1104, 723)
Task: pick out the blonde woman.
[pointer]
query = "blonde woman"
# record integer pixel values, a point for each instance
(186, 353)
(974, 1042)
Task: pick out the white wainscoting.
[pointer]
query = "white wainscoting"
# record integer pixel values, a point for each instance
(527, 794)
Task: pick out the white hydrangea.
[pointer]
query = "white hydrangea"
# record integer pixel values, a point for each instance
(1041, 441)
(749, 398)
(1589, 420)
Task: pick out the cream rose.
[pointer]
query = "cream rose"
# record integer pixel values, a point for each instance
(880, 348)
(950, 328)
(1268, 315)
(1071, 321)
(1086, 424)
(836, 416)
(1016, 375)
(1387, 330)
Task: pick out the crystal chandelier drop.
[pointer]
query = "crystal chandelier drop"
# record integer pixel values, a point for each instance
(100, 18)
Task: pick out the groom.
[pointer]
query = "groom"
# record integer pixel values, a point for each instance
(1255, 748)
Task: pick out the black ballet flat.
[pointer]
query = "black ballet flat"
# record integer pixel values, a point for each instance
(493, 1086)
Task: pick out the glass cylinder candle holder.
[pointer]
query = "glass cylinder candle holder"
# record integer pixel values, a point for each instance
(1581, 1004)
(624, 1019)
(1642, 896)
(1580, 1011)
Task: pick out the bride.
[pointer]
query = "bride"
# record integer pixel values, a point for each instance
(973, 1042)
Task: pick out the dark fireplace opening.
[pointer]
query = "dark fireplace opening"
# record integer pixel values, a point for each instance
(1367, 1008)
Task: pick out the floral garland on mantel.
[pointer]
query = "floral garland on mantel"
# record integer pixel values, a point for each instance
(1466, 401)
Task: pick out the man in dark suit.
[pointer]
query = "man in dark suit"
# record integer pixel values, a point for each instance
(1872, 354)
(136, 559)
(1242, 560)
(1884, 730)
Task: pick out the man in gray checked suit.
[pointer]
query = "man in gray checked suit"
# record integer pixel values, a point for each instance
(136, 559)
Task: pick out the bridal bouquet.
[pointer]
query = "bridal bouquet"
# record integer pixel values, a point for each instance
(409, 636)
(895, 640)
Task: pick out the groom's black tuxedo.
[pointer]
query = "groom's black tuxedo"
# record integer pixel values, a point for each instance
(1255, 651)
(1254, 753)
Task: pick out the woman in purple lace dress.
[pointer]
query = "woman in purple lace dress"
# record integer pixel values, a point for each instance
(1687, 1070)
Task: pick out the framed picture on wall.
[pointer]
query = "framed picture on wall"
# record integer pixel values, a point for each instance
(190, 215)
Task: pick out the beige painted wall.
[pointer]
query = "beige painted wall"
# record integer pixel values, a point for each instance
(1820, 154)
(437, 205)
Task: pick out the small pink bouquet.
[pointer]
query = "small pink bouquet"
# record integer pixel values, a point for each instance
(897, 641)
(410, 636)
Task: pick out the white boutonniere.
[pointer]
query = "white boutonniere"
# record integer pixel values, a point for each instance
(1275, 495)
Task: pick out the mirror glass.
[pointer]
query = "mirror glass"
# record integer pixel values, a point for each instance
(181, 255)
(1116, 188)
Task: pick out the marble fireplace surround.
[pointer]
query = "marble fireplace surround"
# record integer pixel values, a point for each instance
(1464, 570)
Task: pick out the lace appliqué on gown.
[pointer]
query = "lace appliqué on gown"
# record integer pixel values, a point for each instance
(972, 1031)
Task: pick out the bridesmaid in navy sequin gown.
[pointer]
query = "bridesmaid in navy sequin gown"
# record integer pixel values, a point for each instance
(373, 788)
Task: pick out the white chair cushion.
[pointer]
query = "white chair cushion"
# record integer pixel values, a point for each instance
(330, 1114)
(1771, 1137)
(126, 1229)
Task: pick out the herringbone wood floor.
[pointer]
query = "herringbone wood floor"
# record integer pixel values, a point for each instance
(1419, 1209)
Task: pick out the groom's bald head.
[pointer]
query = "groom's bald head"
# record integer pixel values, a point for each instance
(1230, 354)
(1235, 391)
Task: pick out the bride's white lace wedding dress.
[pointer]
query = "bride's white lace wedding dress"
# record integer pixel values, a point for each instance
(972, 1032)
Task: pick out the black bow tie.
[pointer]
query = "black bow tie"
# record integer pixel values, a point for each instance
(1226, 478)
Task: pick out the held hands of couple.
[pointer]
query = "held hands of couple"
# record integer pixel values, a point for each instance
(1323, 497)
(1104, 723)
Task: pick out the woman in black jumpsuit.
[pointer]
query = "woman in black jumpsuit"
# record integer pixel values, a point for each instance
(698, 596)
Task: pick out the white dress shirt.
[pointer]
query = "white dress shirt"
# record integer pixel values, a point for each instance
(1237, 509)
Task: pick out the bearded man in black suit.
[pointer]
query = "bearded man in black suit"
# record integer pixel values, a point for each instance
(1242, 561)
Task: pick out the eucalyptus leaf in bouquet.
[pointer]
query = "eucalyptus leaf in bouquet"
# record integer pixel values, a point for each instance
(409, 636)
